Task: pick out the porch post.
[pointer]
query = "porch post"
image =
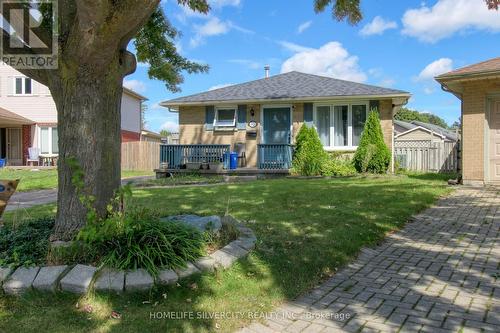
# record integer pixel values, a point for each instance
(26, 139)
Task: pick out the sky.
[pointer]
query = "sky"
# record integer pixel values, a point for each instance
(398, 44)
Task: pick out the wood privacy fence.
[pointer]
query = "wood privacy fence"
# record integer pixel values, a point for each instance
(427, 156)
(140, 155)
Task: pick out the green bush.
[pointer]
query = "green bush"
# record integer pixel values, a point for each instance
(25, 244)
(140, 240)
(309, 153)
(372, 154)
(338, 167)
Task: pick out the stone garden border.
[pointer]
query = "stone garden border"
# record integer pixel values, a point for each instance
(82, 278)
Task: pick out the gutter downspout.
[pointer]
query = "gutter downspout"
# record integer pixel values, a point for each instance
(460, 97)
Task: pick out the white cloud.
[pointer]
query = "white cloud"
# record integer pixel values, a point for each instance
(223, 3)
(135, 85)
(170, 126)
(377, 27)
(294, 47)
(387, 82)
(304, 26)
(329, 60)
(428, 90)
(157, 106)
(247, 63)
(218, 86)
(212, 27)
(434, 69)
(447, 17)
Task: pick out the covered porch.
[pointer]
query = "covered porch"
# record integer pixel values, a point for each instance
(15, 134)
(215, 158)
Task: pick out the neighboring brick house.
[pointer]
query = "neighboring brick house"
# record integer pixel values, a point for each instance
(478, 87)
(28, 117)
(272, 110)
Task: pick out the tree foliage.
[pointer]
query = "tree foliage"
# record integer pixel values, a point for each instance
(155, 44)
(341, 9)
(372, 154)
(405, 114)
(493, 4)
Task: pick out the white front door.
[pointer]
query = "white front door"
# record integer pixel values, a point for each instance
(494, 151)
(14, 146)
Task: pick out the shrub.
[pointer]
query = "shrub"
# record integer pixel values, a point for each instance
(25, 244)
(309, 154)
(338, 167)
(372, 154)
(140, 240)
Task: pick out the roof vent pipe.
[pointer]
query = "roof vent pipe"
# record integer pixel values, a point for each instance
(267, 68)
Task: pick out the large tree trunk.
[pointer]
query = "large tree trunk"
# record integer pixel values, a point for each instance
(88, 103)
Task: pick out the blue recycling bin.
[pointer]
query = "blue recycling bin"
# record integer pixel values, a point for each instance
(3, 162)
(231, 160)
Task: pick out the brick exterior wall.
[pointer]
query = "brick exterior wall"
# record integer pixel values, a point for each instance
(26, 138)
(474, 105)
(192, 128)
(386, 121)
(128, 136)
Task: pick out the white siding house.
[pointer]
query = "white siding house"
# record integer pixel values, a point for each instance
(28, 117)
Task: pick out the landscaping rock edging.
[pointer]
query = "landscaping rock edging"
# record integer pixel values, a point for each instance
(80, 279)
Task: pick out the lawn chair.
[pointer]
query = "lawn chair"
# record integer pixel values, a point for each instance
(33, 156)
(241, 149)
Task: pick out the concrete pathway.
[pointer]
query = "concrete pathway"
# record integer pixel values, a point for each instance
(441, 273)
(41, 197)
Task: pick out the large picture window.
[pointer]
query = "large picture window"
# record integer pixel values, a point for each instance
(340, 125)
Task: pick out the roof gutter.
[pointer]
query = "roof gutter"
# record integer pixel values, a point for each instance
(175, 105)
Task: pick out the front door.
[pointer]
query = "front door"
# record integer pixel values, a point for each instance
(494, 142)
(14, 146)
(277, 122)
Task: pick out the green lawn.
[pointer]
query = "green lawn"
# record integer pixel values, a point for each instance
(47, 179)
(306, 230)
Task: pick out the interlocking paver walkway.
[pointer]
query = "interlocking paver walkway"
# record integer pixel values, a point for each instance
(441, 273)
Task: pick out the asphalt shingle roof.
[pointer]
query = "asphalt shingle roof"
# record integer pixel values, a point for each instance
(491, 65)
(290, 85)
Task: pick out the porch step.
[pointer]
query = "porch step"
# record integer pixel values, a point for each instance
(230, 179)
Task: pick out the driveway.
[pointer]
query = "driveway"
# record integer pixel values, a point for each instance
(440, 273)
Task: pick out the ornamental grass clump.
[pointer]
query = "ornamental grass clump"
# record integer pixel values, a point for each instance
(372, 154)
(139, 239)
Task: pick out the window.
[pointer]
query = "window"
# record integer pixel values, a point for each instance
(225, 117)
(23, 86)
(358, 122)
(49, 140)
(340, 126)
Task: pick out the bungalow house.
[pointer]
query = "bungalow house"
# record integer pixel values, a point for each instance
(262, 117)
(420, 131)
(478, 87)
(28, 117)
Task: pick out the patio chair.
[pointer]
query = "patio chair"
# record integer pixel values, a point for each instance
(33, 156)
(241, 148)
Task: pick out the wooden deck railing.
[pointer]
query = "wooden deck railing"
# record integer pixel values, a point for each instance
(176, 156)
(275, 156)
